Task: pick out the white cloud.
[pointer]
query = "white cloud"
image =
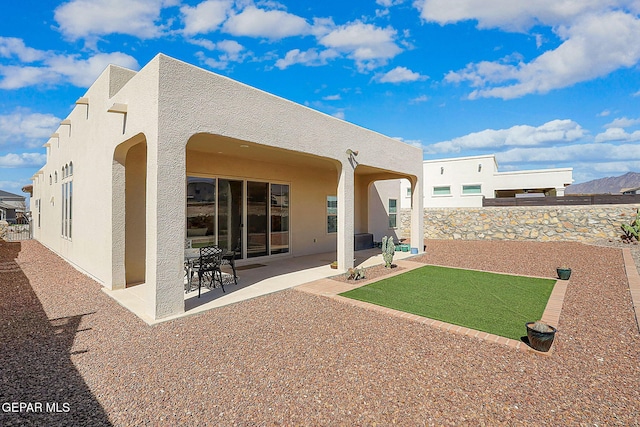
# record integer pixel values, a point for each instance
(586, 153)
(598, 37)
(270, 24)
(413, 142)
(421, 98)
(15, 187)
(553, 132)
(369, 46)
(594, 47)
(388, 3)
(335, 97)
(618, 134)
(622, 122)
(310, 57)
(206, 16)
(11, 47)
(339, 115)
(400, 75)
(604, 113)
(49, 68)
(22, 127)
(231, 51)
(512, 15)
(23, 160)
(83, 72)
(93, 18)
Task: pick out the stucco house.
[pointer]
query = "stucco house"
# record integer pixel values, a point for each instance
(150, 160)
(465, 181)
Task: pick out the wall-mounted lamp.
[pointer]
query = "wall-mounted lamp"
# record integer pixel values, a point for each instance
(479, 167)
(441, 170)
(350, 152)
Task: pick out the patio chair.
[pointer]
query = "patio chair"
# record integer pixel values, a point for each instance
(229, 258)
(208, 265)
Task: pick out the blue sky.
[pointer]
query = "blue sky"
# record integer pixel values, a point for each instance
(550, 83)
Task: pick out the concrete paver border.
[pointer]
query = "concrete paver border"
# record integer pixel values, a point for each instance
(332, 288)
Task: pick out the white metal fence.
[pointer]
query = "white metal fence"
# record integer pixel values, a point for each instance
(17, 232)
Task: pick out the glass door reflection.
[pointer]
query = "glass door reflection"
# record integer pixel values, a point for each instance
(230, 215)
(201, 210)
(257, 224)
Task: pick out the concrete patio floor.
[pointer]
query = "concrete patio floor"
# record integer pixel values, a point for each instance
(255, 278)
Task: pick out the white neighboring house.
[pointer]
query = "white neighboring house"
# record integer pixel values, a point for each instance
(464, 181)
(151, 161)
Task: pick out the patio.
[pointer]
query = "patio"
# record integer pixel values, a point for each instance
(254, 279)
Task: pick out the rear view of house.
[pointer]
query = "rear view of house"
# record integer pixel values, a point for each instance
(173, 154)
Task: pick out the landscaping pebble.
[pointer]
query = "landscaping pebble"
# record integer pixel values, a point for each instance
(292, 358)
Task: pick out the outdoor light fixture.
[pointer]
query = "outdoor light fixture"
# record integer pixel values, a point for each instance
(350, 152)
(479, 167)
(441, 170)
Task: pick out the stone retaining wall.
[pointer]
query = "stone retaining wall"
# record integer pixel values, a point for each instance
(541, 223)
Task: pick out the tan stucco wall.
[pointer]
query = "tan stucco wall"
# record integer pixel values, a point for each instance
(167, 102)
(309, 189)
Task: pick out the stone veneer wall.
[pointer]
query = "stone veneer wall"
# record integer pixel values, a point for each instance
(541, 223)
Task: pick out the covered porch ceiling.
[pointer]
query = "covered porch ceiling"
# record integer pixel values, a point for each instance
(232, 147)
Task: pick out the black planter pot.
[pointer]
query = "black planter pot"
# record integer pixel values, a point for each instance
(563, 273)
(540, 341)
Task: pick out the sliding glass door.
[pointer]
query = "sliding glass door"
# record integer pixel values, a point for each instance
(230, 215)
(279, 218)
(218, 207)
(257, 225)
(201, 211)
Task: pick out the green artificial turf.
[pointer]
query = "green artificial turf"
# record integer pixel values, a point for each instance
(499, 304)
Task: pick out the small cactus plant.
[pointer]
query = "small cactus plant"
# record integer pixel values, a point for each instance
(388, 250)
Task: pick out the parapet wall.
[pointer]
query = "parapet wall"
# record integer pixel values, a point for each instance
(540, 223)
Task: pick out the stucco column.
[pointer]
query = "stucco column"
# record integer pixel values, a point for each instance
(560, 191)
(166, 172)
(118, 277)
(417, 215)
(346, 216)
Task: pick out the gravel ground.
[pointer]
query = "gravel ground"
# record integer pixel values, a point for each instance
(292, 358)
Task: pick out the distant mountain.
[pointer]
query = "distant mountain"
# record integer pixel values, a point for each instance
(608, 185)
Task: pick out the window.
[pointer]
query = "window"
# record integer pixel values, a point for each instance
(55, 174)
(393, 213)
(332, 214)
(442, 191)
(408, 191)
(472, 189)
(67, 199)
